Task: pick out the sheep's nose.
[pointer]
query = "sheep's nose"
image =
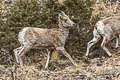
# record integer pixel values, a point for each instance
(74, 24)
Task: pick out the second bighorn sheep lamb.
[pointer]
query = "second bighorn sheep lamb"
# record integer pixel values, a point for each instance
(49, 39)
(107, 29)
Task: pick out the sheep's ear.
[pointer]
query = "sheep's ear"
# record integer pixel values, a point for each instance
(60, 16)
(62, 13)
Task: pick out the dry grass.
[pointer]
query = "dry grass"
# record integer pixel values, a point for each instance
(63, 69)
(67, 71)
(103, 10)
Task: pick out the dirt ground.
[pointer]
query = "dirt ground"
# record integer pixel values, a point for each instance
(97, 68)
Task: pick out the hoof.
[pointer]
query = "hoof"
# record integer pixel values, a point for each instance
(86, 57)
(110, 55)
(116, 47)
(46, 68)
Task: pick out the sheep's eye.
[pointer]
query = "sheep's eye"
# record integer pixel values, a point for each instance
(65, 20)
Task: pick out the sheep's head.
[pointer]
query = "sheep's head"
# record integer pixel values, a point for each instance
(65, 20)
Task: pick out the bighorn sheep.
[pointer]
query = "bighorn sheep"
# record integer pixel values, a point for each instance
(49, 39)
(107, 29)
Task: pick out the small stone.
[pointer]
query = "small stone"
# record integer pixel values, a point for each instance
(80, 77)
(118, 63)
(99, 63)
(107, 77)
(65, 78)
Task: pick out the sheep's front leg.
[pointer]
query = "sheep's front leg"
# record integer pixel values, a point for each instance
(48, 58)
(64, 52)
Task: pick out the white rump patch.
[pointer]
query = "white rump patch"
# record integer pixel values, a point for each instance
(21, 35)
(100, 27)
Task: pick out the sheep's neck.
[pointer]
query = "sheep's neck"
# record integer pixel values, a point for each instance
(64, 30)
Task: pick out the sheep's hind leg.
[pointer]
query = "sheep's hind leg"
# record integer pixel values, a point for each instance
(104, 48)
(117, 41)
(22, 52)
(91, 43)
(16, 51)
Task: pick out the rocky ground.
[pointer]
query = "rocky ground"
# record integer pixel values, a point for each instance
(94, 68)
(97, 68)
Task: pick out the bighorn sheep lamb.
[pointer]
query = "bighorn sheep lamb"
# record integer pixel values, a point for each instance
(107, 29)
(49, 39)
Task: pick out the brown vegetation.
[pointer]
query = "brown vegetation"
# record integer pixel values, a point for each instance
(83, 12)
